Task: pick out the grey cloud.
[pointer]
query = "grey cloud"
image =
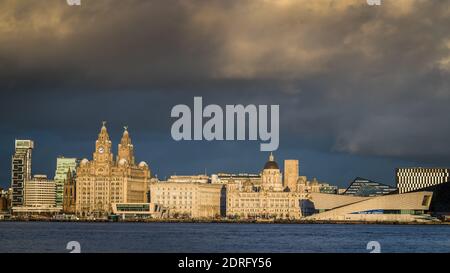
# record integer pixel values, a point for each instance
(373, 80)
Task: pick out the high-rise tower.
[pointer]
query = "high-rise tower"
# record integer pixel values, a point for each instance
(63, 165)
(20, 170)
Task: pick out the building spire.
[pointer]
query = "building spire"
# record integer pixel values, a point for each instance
(103, 136)
(271, 157)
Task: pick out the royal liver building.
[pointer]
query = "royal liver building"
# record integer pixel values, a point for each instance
(105, 181)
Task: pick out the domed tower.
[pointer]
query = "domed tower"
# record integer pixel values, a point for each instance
(271, 176)
(126, 149)
(103, 152)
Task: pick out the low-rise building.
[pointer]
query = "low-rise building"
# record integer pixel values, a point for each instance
(39, 197)
(189, 179)
(408, 207)
(189, 200)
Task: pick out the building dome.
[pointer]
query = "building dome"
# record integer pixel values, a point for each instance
(271, 164)
(122, 162)
(142, 164)
(84, 161)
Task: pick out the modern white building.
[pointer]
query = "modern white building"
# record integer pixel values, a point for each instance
(408, 207)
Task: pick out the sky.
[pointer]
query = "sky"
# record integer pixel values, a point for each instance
(362, 89)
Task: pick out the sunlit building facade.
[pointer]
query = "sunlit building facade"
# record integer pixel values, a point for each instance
(105, 180)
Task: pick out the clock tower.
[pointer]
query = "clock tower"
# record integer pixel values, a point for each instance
(126, 149)
(103, 152)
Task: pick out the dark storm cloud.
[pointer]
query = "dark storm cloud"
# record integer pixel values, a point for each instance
(349, 77)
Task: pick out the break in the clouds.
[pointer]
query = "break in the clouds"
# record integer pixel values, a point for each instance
(372, 80)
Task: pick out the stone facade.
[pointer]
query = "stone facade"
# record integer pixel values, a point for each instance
(291, 174)
(269, 199)
(189, 200)
(69, 193)
(104, 181)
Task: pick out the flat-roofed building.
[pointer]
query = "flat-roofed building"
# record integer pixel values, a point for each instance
(201, 178)
(20, 169)
(40, 192)
(411, 179)
(239, 178)
(39, 197)
(137, 210)
(189, 200)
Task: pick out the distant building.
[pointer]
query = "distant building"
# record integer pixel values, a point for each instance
(411, 179)
(69, 192)
(4, 206)
(63, 165)
(189, 179)
(267, 199)
(105, 181)
(365, 187)
(305, 187)
(20, 169)
(189, 200)
(291, 172)
(39, 197)
(327, 188)
(138, 210)
(435, 180)
(271, 178)
(240, 178)
(40, 192)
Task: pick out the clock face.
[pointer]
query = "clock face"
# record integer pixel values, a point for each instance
(101, 150)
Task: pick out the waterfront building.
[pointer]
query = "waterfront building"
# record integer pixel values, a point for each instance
(138, 210)
(4, 206)
(189, 200)
(104, 181)
(20, 169)
(305, 186)
(291, 173)
(435, 180)
(63, 165)
(365, 187)
(69, 192)
(269, 199)
(411, 179)
(189, 179)
(40, 192)
(271, 178)
(240, 178)
(39, 197)
(408, 207)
